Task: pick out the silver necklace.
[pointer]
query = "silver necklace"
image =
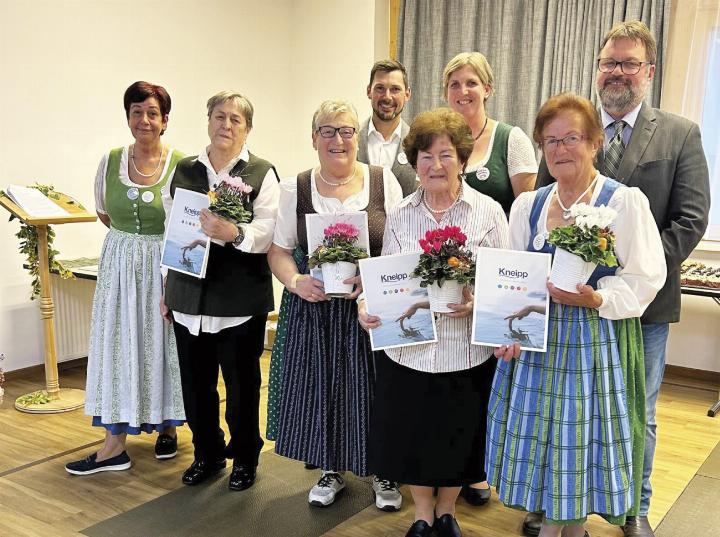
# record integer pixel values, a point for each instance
(566, 210)
(339, 183)
(132, 160)
(441, 211)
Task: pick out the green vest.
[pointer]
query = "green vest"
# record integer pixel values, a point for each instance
(236, 284)
(497, 185)
(135, 209)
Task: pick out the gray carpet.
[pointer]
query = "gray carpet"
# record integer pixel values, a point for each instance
(275, 506)
(696, 511)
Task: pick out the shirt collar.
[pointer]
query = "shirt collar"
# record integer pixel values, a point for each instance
(395, 135)
(415, 199)
(630, 118)
(244, 155)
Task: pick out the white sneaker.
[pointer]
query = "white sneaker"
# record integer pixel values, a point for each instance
(329, 484)
(387, 494)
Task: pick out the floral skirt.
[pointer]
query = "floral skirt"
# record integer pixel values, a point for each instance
(133, 377)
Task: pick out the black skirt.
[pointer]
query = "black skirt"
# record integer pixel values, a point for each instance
(428, 429)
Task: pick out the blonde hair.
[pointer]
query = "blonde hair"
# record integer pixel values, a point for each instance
(637, 31)
(332, 108)
(242, 102)
(477, 62)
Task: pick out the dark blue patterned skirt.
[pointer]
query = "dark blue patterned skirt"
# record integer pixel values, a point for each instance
(327, 386)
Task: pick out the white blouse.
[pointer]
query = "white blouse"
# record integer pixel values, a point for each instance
(286, 225)
(638, 248)
(521, 156)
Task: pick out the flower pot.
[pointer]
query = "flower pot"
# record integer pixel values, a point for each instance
(333, 275)
(568, 270)
(451, 292)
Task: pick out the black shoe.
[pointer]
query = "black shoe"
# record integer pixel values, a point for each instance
(420, 528)
(165, 446)
(637, 526)
(309, 466)
(475, 496)
(90, 465)
(199, 471)
(242, 476)
(531, 524)
(447, 526)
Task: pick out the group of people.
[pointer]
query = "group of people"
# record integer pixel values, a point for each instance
(560, 434)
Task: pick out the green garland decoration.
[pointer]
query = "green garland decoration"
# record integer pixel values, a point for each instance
(29, 246)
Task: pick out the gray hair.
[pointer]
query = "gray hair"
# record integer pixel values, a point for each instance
(242, 102)
(332, 108)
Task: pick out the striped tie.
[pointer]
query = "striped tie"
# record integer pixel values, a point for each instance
(614, 152)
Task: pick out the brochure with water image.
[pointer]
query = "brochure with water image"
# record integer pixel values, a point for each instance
(397, 298)
(186, 248)
(511, 298)
(316, 224)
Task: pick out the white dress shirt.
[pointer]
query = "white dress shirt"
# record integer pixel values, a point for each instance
(382, 152)
(483, 221)
(607, 121)
(257, 234)
(638, 248)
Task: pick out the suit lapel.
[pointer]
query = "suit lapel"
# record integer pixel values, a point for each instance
(639, 140)
(404, 129)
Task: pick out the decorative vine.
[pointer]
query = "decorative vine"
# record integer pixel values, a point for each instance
(28, 236)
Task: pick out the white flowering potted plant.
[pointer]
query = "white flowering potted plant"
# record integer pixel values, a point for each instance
(445, 267)
(582, 246)
(337, 257)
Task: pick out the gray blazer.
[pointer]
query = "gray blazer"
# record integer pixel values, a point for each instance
(405, 173)
(664, 158)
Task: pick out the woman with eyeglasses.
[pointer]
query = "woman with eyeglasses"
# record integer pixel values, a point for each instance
(327, 378)
(559, 431)
(502, 164)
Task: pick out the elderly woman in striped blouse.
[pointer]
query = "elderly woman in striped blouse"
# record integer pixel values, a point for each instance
(437, 440)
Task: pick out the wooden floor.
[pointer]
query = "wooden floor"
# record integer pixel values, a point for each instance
(38, 498)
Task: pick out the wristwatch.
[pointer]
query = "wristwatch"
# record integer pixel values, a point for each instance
(237, 240)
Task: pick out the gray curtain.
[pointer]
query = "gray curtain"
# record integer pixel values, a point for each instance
(536, 48)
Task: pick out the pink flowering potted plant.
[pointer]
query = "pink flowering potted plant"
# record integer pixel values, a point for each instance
(230, 198)
(445, 267)
(337, 256)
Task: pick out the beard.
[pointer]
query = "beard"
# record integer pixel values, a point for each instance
(387, 116)
(622, 99)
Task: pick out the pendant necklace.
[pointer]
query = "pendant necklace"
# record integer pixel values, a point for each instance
(132, 160)
(483, 130)
(441, 211)
(566, 210)
(339, 183)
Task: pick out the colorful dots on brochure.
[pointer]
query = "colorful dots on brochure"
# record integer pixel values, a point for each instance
(512, 287)
(395, 291)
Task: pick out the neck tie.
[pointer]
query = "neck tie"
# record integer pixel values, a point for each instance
(615, 149)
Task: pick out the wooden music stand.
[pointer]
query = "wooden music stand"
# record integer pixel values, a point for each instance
(65, 399)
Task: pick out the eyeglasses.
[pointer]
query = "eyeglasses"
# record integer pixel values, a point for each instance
(629, 67)
(326, 131)
(553, 144)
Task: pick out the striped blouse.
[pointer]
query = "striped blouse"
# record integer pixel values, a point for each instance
(483, 221)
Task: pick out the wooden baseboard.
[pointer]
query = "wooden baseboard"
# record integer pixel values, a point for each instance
(693, 378)
(39, 370)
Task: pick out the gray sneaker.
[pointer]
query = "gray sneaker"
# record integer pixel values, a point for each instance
(327, 487)
(387, 494)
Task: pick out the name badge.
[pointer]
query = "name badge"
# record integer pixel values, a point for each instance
(538, 241)
(133, 193)
(483, 174)
(402, 158)
(148, 196)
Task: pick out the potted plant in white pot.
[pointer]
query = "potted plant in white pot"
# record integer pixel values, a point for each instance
(582, 245)
(445, 267)
(337, 257)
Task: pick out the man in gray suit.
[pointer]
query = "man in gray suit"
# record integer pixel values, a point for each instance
(381, 136)
(662, 155)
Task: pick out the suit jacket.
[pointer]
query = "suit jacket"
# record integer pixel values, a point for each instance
(664, 158)
(405, 173)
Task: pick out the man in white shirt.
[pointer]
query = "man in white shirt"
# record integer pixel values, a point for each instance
(662, 155)
(381, 135)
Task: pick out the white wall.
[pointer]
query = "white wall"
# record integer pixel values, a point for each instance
(66, 64)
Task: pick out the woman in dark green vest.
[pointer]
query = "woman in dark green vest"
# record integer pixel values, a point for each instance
(502, 164)
(133, 377)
